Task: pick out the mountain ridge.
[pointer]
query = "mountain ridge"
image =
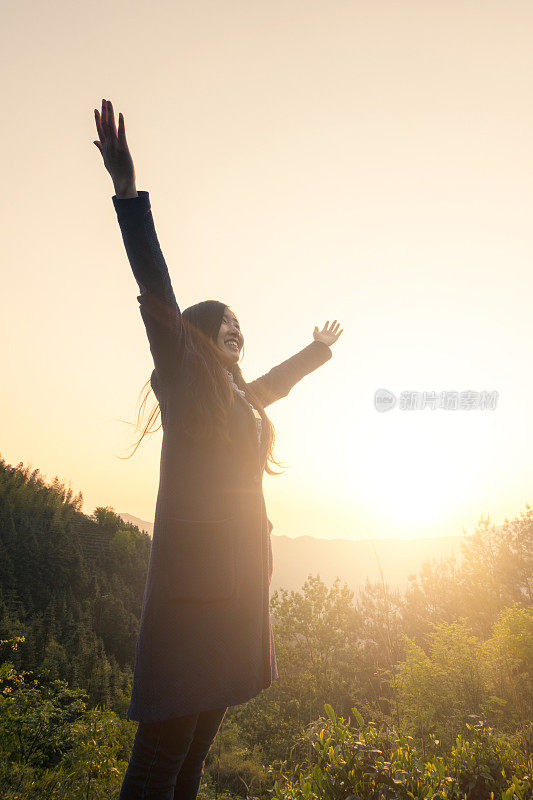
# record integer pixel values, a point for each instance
(354, 561)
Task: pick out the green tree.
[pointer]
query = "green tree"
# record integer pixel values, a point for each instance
(441, 685)
(508, 665)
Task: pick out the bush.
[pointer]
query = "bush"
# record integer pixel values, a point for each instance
(52, 746)
(356, 761)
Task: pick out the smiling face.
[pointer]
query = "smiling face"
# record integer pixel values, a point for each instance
(230, 339)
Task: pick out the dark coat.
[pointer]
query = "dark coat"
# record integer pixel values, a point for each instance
(205, 638)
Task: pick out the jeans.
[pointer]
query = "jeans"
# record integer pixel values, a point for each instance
(167, 759)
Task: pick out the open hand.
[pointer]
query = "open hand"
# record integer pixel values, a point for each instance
(114, 148)
(328, 334)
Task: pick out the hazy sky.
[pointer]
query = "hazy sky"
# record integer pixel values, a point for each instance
(369, 162)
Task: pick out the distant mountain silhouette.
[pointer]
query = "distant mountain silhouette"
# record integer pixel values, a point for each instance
(352, 561)
(355, 561)
(142, 524)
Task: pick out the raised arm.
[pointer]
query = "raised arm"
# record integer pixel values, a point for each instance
(278, 382)
(159, 310)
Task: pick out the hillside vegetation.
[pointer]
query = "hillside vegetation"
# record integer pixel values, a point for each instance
(425, 693)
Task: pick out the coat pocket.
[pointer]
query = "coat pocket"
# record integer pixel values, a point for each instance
(199, 559)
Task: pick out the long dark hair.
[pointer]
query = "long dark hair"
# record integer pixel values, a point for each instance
(209, 391)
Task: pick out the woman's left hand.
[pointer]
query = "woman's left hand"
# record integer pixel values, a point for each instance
(328, 334)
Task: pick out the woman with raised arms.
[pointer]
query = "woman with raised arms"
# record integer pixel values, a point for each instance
(205, 639)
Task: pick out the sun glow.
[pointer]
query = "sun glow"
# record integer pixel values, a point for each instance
(399, 473)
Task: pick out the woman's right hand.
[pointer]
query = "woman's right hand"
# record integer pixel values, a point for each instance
(114, 149)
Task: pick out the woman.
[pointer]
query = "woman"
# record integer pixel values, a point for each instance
(205, 640)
